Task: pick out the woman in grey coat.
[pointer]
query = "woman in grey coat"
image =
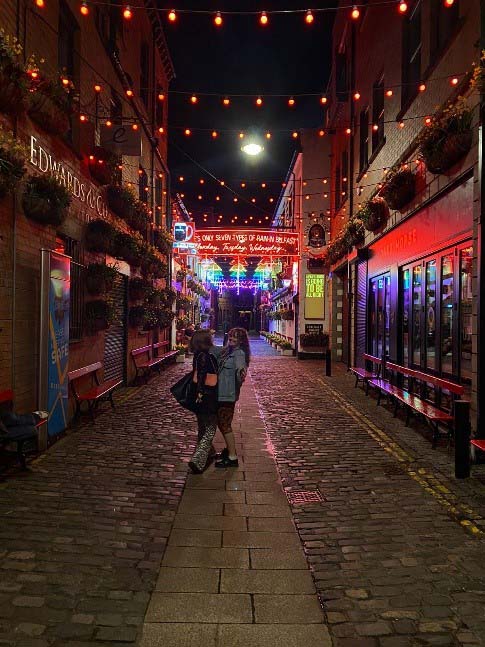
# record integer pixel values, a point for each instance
(233, 364)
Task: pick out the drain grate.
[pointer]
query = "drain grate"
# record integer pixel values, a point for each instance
(303, 497)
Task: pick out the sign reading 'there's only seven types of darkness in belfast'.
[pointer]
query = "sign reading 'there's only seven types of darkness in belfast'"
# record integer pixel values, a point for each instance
(246, 242)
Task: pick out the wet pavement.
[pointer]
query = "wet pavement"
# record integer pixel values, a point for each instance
(107, 541)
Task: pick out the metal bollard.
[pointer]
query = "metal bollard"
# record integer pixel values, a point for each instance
(462, 439)
(328, 363)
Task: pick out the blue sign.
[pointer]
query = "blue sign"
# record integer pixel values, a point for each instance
(58, 344)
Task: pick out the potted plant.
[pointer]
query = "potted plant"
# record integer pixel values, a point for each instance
(136, 316)
(288, 315)
(184, 303)
(121, 200)
(139, 217)
(181, 352)
(374, 214)
(13, 157)
(99, 315)
(151, 318)
(103, 165)
(182, 323)
(167, 297)
(137, 288)
(99, 237)
(100, 278)
(447, 138)
(400, 188)
(163, 241)
(165, 317)
(45, 200)
(13, 79)
(50, 105)
(127, 248)
(286, 348)
(152, 265)
(354, 233)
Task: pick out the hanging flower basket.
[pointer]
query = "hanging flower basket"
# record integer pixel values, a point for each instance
(45, 200)
(99, 278)
(167, 297)
(99, 315)
(353, 234)
(165, 317)
(288, 315)
(13, 80)
(138, 288)
(151, 318)
(139, 217)
(163, 241)
(102, 165)
(447, 139)
(337, 249)
(151, 265)
(13, 157)
(127, 249)
(136, 316)
(99, 237)
(121, 200)
(49, 107)
(400, 188)
(374, 214)
(314, 340)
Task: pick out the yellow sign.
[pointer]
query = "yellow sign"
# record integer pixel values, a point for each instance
(314, 296)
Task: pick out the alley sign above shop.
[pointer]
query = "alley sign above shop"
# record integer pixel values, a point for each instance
(246, 242)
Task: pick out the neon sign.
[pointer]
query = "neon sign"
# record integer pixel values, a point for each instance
(246, 242)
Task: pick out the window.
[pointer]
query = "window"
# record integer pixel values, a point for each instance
(416, 339)
(379, 315)
(466, 300)
(67, 45)
(377, 114)
(72, 248)
(364, 139)
(144, 73)
(143, 185)
(447, 300)
(431, 314)
(444, 21)
(411, 59)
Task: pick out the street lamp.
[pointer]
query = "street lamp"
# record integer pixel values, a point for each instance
(252, 149)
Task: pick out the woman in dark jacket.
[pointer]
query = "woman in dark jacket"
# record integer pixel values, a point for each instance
(205, 386)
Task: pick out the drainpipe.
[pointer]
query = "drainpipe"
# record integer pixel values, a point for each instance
(350, 184)
(480, 431)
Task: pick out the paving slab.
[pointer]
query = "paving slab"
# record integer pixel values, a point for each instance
(189, 580)
(200, 607)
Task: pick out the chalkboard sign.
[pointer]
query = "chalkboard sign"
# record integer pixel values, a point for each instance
(313, 329)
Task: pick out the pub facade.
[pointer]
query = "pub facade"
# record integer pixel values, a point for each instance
(403, 113)
(83, 105)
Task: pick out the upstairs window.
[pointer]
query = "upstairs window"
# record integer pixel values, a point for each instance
(377, 114)
(444, 21)
(341, 76)
(411, 59)
(364, 139)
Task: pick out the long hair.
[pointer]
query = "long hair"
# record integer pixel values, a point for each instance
(241, 335)
(201, 340)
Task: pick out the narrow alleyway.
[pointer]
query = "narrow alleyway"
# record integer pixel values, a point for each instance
(107, 541)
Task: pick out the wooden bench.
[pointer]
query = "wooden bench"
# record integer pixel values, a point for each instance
(145, 359)
(416, 396)
(6, 402)
(98, 392)
(366, 374)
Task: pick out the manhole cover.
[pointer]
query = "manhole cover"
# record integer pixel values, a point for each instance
(303, 497)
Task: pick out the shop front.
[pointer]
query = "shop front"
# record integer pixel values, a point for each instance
(419, 290)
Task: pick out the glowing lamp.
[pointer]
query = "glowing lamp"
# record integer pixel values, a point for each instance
(259, 101)
(222, 182)
(83, 118)
(402, 6)
(40, 3)
(97, 88)
(263, 18)
(291, 101)
(214, 134)
(454, 81)
(181, 178)
(129, 93)
(161, 130)
(127, 13)
(268, 135)
(161, 97)
(84, 9)
(65, 81)
(252, 149)
(355, 13)
(348, 131)
(172, 16)
(218, 19)
(323, 100)
(449, 3)
(356, 96)
(401, 124)
(108, 123)
(294, 134)
(422, 87)
(193, 99)
(389, 93)
(241, 135)
(321, 133)
(375, 127)
(226, 101)
(309, 17)
(427, 121)
(187, 132)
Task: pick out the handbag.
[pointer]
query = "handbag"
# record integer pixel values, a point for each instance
(184, 392)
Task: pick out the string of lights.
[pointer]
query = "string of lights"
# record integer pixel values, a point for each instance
(353, 10)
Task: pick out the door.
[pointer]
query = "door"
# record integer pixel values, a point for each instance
(115, 337)
(379, 315)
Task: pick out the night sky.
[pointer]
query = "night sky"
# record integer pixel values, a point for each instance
(286, 57)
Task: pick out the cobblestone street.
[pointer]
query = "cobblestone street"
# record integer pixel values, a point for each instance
(107, 541)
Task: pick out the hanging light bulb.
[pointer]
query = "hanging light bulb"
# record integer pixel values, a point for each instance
(84, 9)
(218, 19)
(323, 100)
(263, 18)
(402, 6)
(294, 134)
(321, 133)
(40, 3)
(193, 99)
(108, 123)
(129, 93)
(356, 96)
(454, 80)
(172, 16)
(83, 118)
(134, 126)
(268, 135)
(355, 13)
(241, 135)
(97, 88)
(226, 101)
(291, 102)
(187, 132)
(161, 130)
(214, 134)
(389, 93)
(449, 3)
(309, 17)
(259, 101)
(127, 13)
(422, 87)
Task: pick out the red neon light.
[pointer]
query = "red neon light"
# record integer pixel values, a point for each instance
(246, 242)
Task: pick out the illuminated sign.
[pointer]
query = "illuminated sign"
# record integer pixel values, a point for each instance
(183, 232)
(246, 242)
(314, 296)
